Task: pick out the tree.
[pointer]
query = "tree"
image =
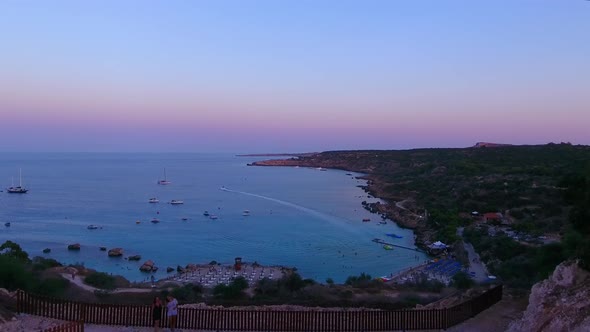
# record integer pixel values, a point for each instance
(12, 249)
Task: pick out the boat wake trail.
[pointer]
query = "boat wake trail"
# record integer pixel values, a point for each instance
(335, 220)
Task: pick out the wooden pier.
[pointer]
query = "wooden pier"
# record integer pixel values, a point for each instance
(397, 245)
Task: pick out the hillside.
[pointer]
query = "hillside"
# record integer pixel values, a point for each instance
(522, 194)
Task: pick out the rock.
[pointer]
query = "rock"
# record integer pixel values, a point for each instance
(169, 269)
(154, 268)
(75, 246)
(558, 303)
(191, 267)
(148, 266)
(134, 258)
(116, 252)
(103, 248)
(46, 250)
(179, 269)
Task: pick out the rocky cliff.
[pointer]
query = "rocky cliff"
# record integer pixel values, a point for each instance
(559, 303)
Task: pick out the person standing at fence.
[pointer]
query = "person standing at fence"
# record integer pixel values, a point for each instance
(157, 313)
(172, 312)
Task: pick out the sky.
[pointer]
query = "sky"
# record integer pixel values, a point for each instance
(251, 76)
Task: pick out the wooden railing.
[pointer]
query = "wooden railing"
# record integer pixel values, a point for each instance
(67, 327)
(261, 320)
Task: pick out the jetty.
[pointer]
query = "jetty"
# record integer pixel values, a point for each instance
(397, 245)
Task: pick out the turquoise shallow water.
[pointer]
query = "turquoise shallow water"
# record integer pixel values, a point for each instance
(300, 217)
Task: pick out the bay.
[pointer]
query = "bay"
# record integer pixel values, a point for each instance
(299, 217)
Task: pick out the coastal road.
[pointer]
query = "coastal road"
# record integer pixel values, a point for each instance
(475, 263)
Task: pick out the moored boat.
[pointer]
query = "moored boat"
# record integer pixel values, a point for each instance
(176, 202)
(154, 200)
(17, 189)
(165, 180)
(155, 220)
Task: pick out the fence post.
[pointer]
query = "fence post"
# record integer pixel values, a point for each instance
(82, 313)
(19, 301)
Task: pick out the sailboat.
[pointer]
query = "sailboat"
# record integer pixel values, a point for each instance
(164, 181)
(20, 189)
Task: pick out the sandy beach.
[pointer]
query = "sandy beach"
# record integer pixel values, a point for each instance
(213, 275)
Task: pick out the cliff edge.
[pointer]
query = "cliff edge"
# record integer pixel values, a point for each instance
(558, 303)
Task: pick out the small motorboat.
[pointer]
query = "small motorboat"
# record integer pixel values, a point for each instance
(387, 247)
(206, 213)
(154, 200)
(383, 223)
(92, 227)
(7, 224)
(213, 217)
(46, 250)
(366, 219)
(184, 218)
(394, 235)
(155, 220)
(138, 222)
(246, 213)
(176, 202)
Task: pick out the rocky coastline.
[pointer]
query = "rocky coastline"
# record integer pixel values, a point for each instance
(402, 210)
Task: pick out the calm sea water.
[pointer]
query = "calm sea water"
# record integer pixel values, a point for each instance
(299, 217)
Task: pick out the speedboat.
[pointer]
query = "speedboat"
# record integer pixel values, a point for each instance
(394, 235)
(154, 200)
(155, 220)
(176, 202)
(92, 227)
(206, 213)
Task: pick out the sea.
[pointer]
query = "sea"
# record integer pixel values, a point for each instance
(298, 217)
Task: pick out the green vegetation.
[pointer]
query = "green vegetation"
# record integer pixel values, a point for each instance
(188, 293)
(540, 190)
(462, 281)
(100, 280)
(17, 271)
(232, 291)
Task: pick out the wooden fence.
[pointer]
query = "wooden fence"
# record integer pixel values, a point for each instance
(261, 320)
(68, 327)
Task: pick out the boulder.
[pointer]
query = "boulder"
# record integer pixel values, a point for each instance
(169, 269)
(75, 246)
(116, 252)
(558, 303)
(134, 258)
(179, 269)
(148, 266)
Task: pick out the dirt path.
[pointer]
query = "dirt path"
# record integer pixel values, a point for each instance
(79, 281)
